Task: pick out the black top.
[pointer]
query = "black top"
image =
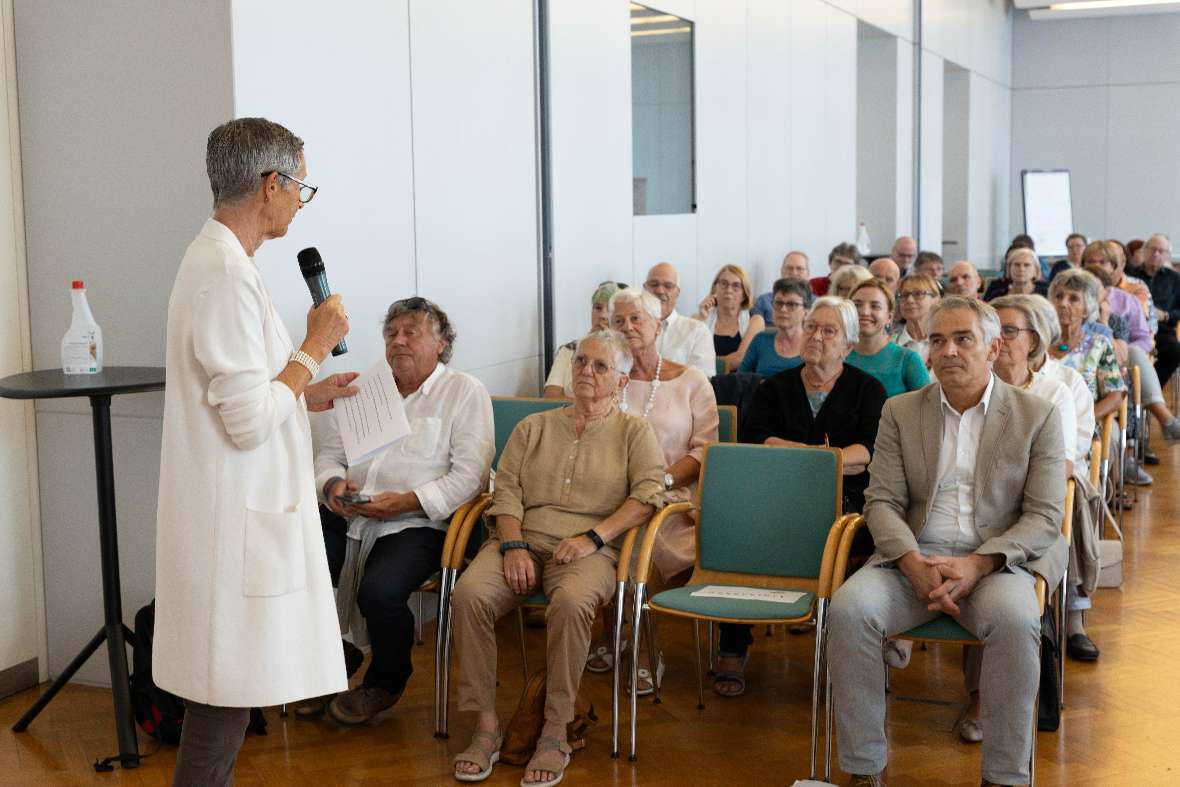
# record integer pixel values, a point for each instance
(55, 384)
(849, 416)
(1165, 292)
(998, 287)
(726, 345)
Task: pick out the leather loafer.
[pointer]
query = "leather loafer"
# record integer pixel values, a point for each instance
(1149, 458)
(970, 731)
(359, 705)
(1081, 648)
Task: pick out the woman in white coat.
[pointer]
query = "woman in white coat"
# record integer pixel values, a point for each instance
(244, 608)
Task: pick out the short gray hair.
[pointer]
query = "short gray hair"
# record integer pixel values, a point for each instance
(1077, 280)
(617, 345)
(641, 299)
(1036, 319)
(1048, 315)
(238, 152)
(989, 321)
(845, 310)
(439, 322)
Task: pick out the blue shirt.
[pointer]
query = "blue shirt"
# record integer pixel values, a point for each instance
(764, 305)
(899, 369)
(761, 357)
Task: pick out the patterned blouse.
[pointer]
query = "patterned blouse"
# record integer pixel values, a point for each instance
(1095, 361)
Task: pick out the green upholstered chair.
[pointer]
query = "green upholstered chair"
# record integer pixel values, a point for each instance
(945, 630)
(769, 518)
(727, 426)
(508, 411)
(719, 366)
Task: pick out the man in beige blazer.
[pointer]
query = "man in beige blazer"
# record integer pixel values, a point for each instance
(965, 502)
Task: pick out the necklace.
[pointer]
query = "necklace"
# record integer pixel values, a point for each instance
(651, 398)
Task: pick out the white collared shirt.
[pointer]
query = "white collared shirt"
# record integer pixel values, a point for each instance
(950, 525)
(687, 341)
(444, 460)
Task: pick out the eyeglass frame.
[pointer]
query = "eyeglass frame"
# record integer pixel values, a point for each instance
(296, 180)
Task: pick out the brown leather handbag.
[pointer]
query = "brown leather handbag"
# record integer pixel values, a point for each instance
(520, 739)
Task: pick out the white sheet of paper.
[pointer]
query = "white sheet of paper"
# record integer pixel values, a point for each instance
(749, 594)
(373, 419)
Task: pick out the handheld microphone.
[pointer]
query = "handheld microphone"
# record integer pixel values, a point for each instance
(311, 265)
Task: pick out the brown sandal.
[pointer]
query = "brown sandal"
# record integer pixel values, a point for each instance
(551, 755)
(480, 754)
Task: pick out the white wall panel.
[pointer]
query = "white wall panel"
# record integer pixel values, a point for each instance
(511, 378)
(930, 210)
(590, 86)
(1143, 167)
(840, 122)
(669, 238)
(1062, 54)
(877, 140)
(946, 31)
(904, 198)
(989, 39)
(358, 152)
(1144, 49)
(988, 173)
(956, 138)
(475, 201)
(808, 137)
(893, 16)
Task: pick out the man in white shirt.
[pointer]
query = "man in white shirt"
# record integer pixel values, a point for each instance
(681, 339)
(965, 506)
(795, 266)
(398, 503)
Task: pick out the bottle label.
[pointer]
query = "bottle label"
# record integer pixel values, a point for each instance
(79, 353)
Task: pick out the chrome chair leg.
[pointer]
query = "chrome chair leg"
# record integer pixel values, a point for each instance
(636, 627)
(440, 623)
(446, 679)
(709, 666)
(696, 638)
(1061, 613)
(653, 657)
(418, 621)
(620, 600)
(816, 667)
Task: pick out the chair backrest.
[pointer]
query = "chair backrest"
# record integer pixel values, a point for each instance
(767, 510)
(727, 424)
(508, 411)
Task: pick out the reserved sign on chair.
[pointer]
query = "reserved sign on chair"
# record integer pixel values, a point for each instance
(749, 594)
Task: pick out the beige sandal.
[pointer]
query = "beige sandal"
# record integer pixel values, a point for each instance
(482, 755)
(550, 755)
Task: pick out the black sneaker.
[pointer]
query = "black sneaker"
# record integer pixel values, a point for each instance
(1149, 458)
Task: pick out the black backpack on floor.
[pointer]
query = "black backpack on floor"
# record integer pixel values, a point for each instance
(161, 713)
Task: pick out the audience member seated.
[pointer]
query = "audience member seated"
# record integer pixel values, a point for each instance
(1165, 294)
(897, 368)
(903, 252)
(682, 339)
(887, 271)
(961, 532)
(1075, 245)
(394, 541)
(963, 280)
(725, 311)
(771, 352)
(1083, 402)
(929, 263)
(845, 280)
(569, 483)
(679, 404)
(1075, 295)
(916, 296)
(1111, 251)
(1135, 253)
(1022, 273)
(823, 402)
(559, 383)
(795, 266)
(841, 255)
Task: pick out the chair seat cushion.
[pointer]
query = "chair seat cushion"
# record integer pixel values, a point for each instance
(537, 599)
(683, 600)
(943, 628)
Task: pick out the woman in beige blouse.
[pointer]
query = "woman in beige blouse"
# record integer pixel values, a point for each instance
(570, 483)
(679, 403)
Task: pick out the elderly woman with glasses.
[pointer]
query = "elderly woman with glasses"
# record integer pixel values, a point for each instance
(570, 482)
(679, 403)
(823, 402)
(899, 369)
(772, 352)
(392, 509)
(726, 312)
(560, 382)
(916, 295)
(1022, 276)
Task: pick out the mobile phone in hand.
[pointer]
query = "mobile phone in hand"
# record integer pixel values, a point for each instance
(353, 498)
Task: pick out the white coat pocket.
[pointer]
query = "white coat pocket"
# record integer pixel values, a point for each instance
(423, 438)
(274, 559)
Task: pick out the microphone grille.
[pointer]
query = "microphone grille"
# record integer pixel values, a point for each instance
(310, 260)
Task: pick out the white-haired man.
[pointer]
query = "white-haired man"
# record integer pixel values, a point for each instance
(682, 339)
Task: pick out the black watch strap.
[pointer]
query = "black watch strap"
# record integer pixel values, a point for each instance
(507, 545)
(597, 539)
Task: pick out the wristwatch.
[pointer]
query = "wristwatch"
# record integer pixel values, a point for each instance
(669, 481)
(597, 539)
(507, 545)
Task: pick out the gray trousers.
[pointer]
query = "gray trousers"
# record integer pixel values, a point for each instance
(877, 602)
(209, 742)
(1149, 382)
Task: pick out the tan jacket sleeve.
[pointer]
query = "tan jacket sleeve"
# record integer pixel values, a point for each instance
(887, 498)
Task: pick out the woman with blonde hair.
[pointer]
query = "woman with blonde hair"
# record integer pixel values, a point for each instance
(845, 280)
(1022, 276)
(726, 311)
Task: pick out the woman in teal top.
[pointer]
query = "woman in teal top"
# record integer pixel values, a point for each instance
(899, 369)
(771, 352)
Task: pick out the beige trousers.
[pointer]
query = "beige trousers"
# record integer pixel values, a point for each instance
(482, 596)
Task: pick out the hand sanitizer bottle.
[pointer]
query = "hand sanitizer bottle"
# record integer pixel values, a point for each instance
(863, 245)
(81, 347)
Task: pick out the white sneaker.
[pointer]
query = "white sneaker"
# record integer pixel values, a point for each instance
(897, 652)
(1136, 475)
(1171, 431)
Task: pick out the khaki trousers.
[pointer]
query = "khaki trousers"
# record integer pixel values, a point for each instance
(482, 596)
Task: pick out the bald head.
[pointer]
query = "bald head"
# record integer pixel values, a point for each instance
(795, 266)
(887, 271)
(963, 280)
(903, 252)
(663, 281)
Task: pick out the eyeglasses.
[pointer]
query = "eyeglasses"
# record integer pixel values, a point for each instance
(826, 331)
(1011, 331)
(914, 295)
(788, 305)
(598, 367)
(306, 192)
(728, 285)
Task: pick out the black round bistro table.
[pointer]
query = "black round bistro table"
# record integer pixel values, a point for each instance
(99, 388)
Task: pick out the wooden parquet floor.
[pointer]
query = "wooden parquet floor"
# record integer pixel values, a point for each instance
(1121, 725)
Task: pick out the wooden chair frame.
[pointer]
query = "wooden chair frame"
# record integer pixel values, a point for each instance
(820, 586)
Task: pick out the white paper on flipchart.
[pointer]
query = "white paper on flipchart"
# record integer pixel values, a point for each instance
(375, 418)
(749, 594)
